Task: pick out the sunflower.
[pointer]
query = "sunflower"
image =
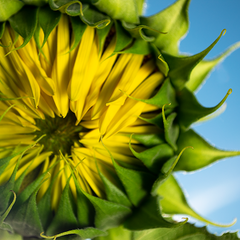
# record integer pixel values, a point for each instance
(93, 119)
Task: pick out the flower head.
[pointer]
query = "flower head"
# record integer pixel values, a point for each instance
(94, 120)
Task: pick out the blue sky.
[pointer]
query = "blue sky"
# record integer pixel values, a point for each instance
(214, 192)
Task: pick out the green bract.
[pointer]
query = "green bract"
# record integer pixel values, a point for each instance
(133, 202)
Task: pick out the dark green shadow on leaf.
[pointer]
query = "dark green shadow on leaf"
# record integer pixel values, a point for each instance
(148, 216)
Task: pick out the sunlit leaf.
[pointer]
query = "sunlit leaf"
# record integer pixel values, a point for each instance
(180, 68)
(202, 70)
(149, 216)
(8, 8)
(126, 10)
(186, 232)
(174, 202)
(202, 154)
(174, 21)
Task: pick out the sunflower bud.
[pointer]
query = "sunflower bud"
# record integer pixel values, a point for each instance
(95, 115)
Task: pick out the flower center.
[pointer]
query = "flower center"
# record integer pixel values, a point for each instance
(61, 133)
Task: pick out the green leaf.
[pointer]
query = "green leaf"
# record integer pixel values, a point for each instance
(8, 236)
(186, 232)
(136, 31)
(2, 28)
(181, 67)
(123, 37)
(3, 225)
(64, 219)
(139, 46)
(202, 154)
(78, 30)
(161, 63)
(136, 183)
(102, 35)
(118, 233)
(201, 71)
(171, 129)
(126, 10)
(25, 23)
(148, 216)
(157, 120)
(48, 20)
(174, 202)
(25, 219)
(38, 3)
(190, 110)
(94, 18)
(113, 193)
(82, 233)
(165, 95)
(108, 214)
(8, 8)
(154, 158)
(149, 140)
(85, 209)
(174, 21)
(44, 208)
(166, 172)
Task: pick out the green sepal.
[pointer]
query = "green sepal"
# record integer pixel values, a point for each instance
(202, 154)
(186, 231)
(174, 202)
(2, 28)
(44, 208)
(3, 225)
(25, 23)
(181, 67)
(161, 63)
(190, 110)
(139, 46)
(64, 218)
(71, 7)
(118, 233)
(94, 18)
(85, 209)
(48, 20)
(157, 120)
(78, 28)
(136, 31)
(166, 172)
(85, 233)
(123, 38)
(148, 216)
(201, 71)
(174, 21)
(154, 158)
(11, 183)
(38, 3)
(28, 191)
(149, 140)
(113, 193)
(76, 8)
(108, 214)
(9, 8)
(126, 10)
(25, 218)
(165, 95)
(102, 34)
(6, 189)
(136, 183)
(171, 129)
